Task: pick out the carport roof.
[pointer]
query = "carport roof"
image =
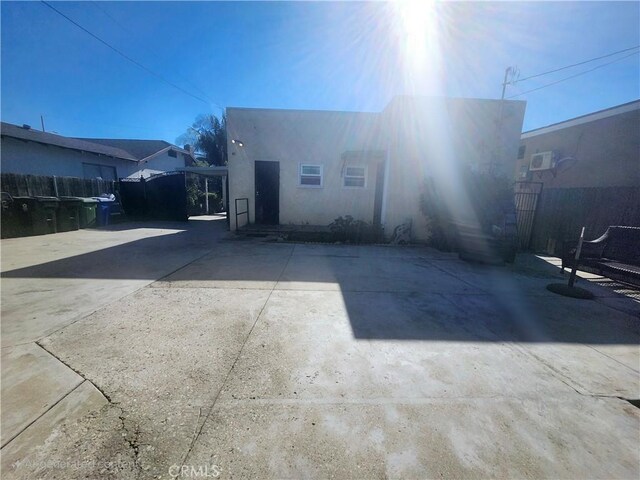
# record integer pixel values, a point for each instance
(205, 171)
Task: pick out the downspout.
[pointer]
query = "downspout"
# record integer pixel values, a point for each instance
(385, 188)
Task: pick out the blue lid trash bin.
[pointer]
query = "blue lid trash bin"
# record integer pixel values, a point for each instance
(107, 210)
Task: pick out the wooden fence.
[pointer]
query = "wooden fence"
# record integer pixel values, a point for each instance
(18, 185)
(562, 212)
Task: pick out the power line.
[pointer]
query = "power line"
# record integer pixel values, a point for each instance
(574, 76)
(155, 54)
(148, 70)
(576, 64)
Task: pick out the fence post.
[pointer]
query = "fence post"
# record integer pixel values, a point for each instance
(572, 277)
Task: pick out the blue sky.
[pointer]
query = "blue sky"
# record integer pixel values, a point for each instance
(334, 56)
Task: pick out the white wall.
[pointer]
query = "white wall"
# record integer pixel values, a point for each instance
(33, 158)
(292, 137)
(423, 137)
(158, 164)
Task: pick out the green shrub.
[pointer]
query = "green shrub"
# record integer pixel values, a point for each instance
(490, 199)
(347, 229)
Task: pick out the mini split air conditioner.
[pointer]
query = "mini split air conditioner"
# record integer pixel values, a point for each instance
(541, 161)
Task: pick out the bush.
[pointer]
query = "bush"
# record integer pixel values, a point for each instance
(347, 229)
(441, 232)
(196, 197)
(491, 200)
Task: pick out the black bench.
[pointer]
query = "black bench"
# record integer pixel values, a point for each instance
(616, 254)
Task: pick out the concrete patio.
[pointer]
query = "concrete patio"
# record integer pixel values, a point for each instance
(160, 351)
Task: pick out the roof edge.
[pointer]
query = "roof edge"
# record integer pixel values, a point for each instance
(589, 117)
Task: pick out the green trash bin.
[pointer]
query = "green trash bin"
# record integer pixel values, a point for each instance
(40, 214)
(69, 214)
(88, 212)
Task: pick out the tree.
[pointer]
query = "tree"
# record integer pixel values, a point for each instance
(208, 135)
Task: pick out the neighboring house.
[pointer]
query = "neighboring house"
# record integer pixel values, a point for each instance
(28, 151)
(601, 149)
(310, 167)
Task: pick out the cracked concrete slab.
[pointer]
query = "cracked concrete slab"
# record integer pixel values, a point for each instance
(257, 271)
(32, 382)
(50, 280)
(22, 457)
(352, 345)
(367, 273)
(351, 362)
(161, 355)
(446, 438)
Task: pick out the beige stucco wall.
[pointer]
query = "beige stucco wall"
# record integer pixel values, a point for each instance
(293, 137)
(435, 138)
(606, 153)
(420, 137)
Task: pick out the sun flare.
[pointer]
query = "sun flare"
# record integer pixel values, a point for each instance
(418, 29)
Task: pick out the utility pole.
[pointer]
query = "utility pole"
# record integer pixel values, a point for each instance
(509, 72)
(42, 122)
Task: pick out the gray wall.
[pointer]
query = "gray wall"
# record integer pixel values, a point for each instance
(38, 159)
(17, 156)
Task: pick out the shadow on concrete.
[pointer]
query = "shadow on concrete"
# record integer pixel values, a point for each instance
(136, 260)
(388, 293)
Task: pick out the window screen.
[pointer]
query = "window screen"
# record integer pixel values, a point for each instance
(311, 175)
(355, 176)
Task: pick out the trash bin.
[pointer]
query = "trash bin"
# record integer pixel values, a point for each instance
(16, 217)
(69, 214)
(38, 214)
(9, 218)
(88, 212)
(103, 211)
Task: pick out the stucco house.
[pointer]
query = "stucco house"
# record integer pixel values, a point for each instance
(310, 167)
(28, 151)
(601, 149)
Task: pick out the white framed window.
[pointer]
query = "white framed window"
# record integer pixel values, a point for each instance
(310, 175)
(355, 177)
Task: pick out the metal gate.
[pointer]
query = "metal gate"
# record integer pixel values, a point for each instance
(526, 199)
(159, 197)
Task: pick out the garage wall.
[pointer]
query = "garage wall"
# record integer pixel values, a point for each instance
(17, 156)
